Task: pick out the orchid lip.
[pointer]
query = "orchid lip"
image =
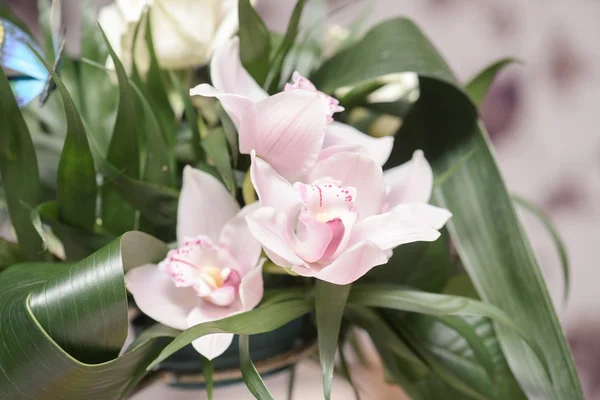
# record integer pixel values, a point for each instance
(208, 269)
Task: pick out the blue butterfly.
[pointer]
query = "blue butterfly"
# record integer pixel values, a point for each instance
(33, 79)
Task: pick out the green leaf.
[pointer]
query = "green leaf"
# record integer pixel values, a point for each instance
(274, 75)
(330, 301)
(156, 203)
(468, 349)
(260, 320)
(255, 42)
(78, 243)
(207, 371)
(560, 247)
(230, 133)
(157, 91)
(99, 95)
(380, 332)
(461, 285)
(159, 167)
(123, 153)
(191, 116)
(254, 382)
(76, 188)
(63, 325)
(487, 234)
(19, 169)
(399, 298)
(479, 85)
(215, 146)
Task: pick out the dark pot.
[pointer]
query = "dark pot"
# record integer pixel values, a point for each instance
(185, 366)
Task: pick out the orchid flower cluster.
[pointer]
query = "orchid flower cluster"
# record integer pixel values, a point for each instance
(325, 209)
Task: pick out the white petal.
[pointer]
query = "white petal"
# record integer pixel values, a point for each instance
(228, 75)
(436, 217)
(410, 182)
(393, 229)
(286, 130)
(235, 105)
(157, 296)
(251, 288)
(339, 134)
(272, 189)
(271, 228)
(349, 266)
(352, 169)
(238, 240)
(205, 206)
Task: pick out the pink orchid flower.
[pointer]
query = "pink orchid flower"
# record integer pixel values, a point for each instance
(291, 130)
(214, 273)
(344, 219)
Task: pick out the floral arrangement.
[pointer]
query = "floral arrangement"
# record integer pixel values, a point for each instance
(219, 182)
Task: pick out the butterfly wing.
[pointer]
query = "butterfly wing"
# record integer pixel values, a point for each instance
(26, 88)
(15, 54)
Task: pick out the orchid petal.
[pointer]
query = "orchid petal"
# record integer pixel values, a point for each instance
(269, 227)
(157, 296)
(238, 240)
(228, 75)
(313, 238)
(436, 217)
(235, 105)
(251, 288)
(355, 170)
(392, 229)
(286, 130)
(222, 296)
(205, 206)
(378, 149)
(410, 182)
(272, 189)
(349, 266)
(213, 345)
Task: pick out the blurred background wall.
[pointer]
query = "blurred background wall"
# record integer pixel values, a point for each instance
(542, 115)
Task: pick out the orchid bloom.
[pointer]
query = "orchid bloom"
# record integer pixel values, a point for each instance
(344, 219)
(215, 272)
(291, 130)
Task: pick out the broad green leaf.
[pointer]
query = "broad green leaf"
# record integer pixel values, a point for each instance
(63, 325)
(78, 243)
(274, 75)
(399, 298)
(252, 378)
(157, 90)
(19, 169)
(461, 285)
(330, 301)
(487, 234)
(423, 265)
(560, 247)
(479, 85)
(260, 320)
(123, 153)
(216, 148)
(76, 188)
(99, 96)
(255, 42)
(159, 167)
(468, 349)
